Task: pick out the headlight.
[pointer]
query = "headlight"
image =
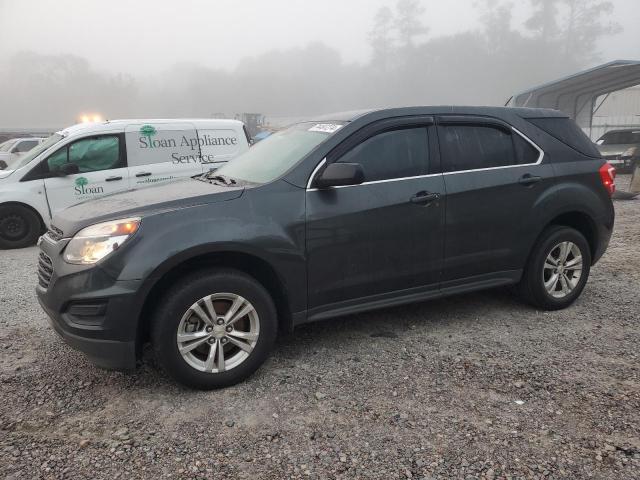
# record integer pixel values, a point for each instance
(629, 152)
(93, 243)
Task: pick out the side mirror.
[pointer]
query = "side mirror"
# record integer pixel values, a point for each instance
(340, 174)
(67, 169)
(3, 165)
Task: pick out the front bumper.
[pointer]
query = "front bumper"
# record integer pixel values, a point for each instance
(91, 311)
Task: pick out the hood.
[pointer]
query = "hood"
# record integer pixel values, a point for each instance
(617, 149)
(183, 193)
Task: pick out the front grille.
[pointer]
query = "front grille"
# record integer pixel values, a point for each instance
(45, 270)
(54, 233)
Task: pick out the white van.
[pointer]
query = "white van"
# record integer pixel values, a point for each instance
(12, 149)
(87, 161)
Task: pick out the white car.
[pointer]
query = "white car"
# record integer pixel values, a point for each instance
(87, 161)
(13, 149)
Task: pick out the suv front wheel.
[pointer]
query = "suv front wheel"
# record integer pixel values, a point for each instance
(215, 329)
(557, 270)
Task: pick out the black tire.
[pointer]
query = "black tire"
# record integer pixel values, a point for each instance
(532, 288)
(180, 298)
(19, 227)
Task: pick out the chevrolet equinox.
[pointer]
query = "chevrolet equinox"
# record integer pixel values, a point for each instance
(330, 217)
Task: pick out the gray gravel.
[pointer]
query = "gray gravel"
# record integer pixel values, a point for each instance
(476, 386)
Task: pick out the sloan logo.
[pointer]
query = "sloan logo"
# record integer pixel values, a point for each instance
(148, 131)
(83, 188)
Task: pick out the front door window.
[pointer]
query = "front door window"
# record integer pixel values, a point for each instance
(101, 171)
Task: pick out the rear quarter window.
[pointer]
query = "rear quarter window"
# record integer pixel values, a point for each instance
(566, 130)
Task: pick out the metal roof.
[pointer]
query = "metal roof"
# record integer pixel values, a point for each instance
(576, 94)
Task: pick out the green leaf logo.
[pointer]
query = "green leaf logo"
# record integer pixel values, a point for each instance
(81, 181)
(148, 131)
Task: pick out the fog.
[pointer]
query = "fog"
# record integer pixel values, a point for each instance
(290, 58)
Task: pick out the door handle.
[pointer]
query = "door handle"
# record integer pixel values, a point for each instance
(424, 198)
(528, 179)
(112, 179)
(143, 174)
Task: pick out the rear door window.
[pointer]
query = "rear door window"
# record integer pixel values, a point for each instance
(472, 147)
(525, 152)
(394, 154)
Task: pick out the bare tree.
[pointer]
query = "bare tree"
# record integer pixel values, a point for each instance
(584, 25)
(572, 27)
(496, 19)
(407, 21)
(543, 20)
(381, 37)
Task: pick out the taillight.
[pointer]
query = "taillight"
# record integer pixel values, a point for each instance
(608, 177)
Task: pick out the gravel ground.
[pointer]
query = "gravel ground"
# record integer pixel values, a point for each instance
(476, 386)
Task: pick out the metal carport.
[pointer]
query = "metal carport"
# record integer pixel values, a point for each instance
(576, 94)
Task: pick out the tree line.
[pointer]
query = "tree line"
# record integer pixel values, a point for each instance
(408, 66)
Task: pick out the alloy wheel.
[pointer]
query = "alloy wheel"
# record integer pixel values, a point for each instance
(562, 269)
(218, 332)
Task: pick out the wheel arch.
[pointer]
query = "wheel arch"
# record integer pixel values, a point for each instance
(248, 263)
(583, 223)
(578, 220)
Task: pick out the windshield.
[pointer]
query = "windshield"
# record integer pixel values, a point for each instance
(620, 138)
(34, 152)
(6, 146)
(272, 157)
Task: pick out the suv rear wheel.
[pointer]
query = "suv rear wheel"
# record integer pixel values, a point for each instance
(557, 270)
(215, 329)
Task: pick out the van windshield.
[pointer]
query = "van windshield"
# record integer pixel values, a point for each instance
(620, 138)
(34, 152)
(272, 157)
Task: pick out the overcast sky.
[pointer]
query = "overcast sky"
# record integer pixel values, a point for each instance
(146, 36)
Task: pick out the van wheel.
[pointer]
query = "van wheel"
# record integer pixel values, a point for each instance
(19, 227)
(214, 329)
(557, 270)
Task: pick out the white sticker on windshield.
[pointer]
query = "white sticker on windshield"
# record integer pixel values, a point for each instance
(325, 127)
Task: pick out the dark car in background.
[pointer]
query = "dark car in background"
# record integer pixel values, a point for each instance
(621, 148)
(335, 216)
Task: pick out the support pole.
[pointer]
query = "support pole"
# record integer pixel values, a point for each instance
(635, 179)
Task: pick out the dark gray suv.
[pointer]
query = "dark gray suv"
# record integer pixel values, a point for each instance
(339, 215)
